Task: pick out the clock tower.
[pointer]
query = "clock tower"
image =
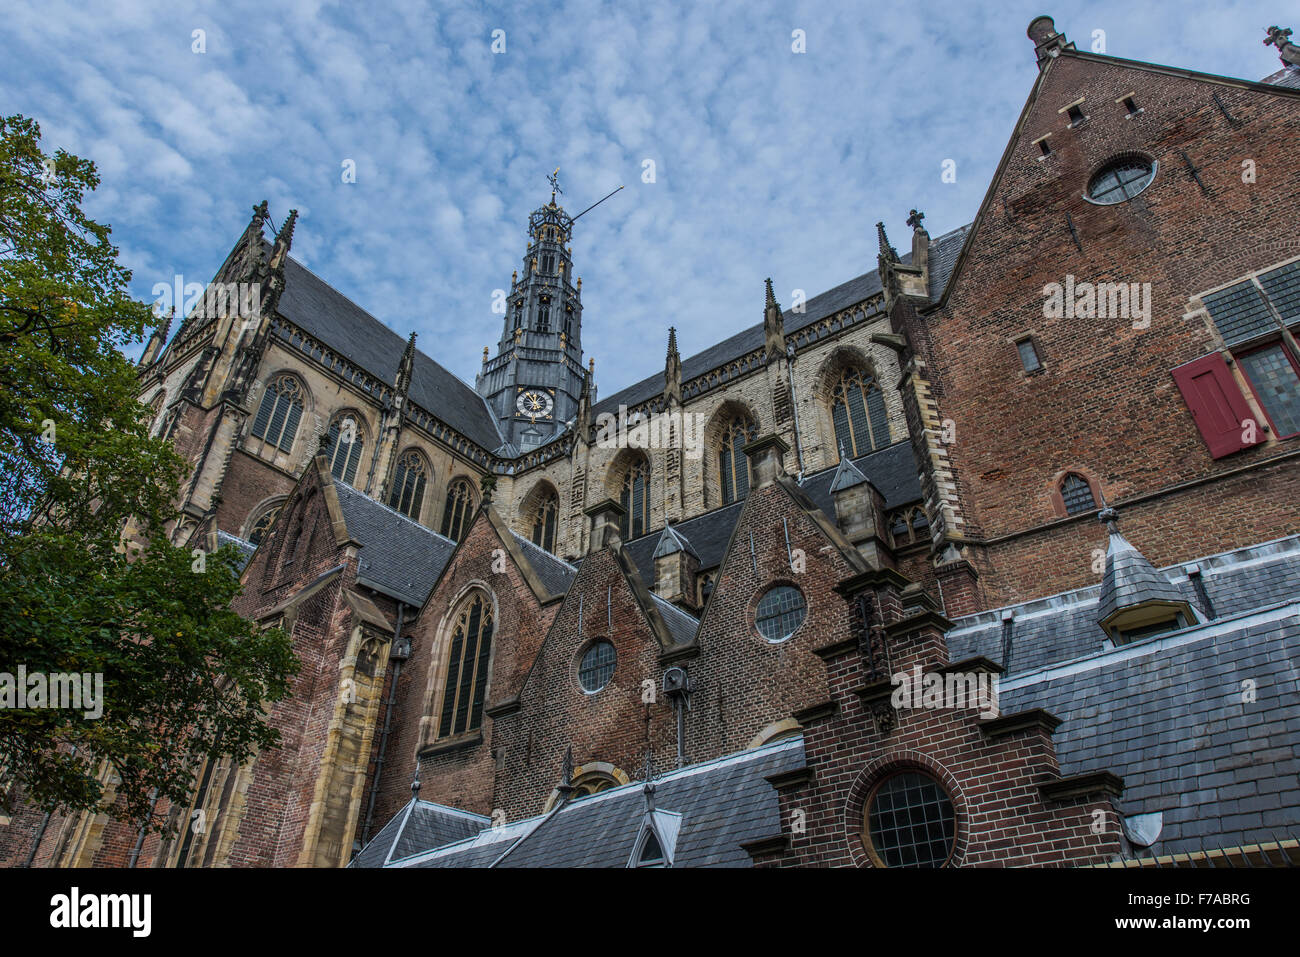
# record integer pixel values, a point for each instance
(533, 382)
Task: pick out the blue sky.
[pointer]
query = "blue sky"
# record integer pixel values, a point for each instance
(767, 162)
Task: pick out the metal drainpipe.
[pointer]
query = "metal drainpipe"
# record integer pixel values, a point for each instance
(794, 405)
(139, 841)
(399, 654)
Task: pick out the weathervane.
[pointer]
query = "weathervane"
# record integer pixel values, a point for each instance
(554, 180)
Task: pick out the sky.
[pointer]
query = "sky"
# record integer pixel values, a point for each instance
(742, 158)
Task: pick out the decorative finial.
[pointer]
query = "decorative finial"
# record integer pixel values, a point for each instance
(1280, 38)
(485, 354)
(554, 180)
(415, 782)
(1109, 517)
(286, 231)
(566, 772)
(771, 297)
(488, 486)
(591, 365)
(914, 220)
(672, 340)
(514, 277)
(648, 788)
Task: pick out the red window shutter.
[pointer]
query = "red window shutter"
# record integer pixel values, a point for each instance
(1217, 405)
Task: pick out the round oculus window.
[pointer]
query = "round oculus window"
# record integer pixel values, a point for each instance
(780, 612)
(911, 821)
(597, 666)
(1121, 180)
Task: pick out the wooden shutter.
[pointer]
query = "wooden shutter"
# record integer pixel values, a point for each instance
(1217, 405)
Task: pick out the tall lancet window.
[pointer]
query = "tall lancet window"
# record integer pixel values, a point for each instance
(858, 411)
(280, 411)
(467, 667)
(457, 509)
(635, 499)
(409, 480)
(544, 316)
(544, 522)
(345, 448)
(732, 462)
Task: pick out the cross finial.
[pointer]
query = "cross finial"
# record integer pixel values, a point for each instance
(914, 220)
(1277, 37)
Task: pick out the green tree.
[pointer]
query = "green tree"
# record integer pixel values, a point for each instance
(183, 675)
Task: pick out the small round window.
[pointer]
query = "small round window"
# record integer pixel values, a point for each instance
(780, 613)
(1121, 180)
(597, 666)
(911, 821)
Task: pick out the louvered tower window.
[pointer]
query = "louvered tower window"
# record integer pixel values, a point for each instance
(635, 499)
(544, 522)
(408, 484)
(732, 462)
(281, 410)
(456, 511)
(859, 414)
(345, 448)
(467, 668)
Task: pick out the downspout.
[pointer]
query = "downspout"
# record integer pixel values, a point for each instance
(40, 832)
(794, 405)
(401, 652)
(139, 841)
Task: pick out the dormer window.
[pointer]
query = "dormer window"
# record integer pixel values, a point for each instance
(656, 842)
(652, 854)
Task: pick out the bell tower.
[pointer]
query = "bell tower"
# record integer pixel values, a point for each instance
(533, 382)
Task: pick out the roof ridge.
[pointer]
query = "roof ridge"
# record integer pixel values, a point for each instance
(340, 484)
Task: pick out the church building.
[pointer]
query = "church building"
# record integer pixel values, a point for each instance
(988, 556)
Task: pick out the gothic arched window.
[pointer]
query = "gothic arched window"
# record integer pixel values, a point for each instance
(544, 522)
(262, 524)
(277, 418)
(544, 316)
(732, 462)
(635, 499)
(467, 667)
(408, 484)
(456, 511)
(858, 411)
(346, 443)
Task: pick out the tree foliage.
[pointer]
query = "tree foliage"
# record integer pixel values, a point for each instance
(183, 675)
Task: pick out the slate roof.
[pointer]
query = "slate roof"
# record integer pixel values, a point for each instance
(399, 557)
(1063, 627)
(555, 573)
(943, 259)
(681, 624)
(723, 803)
(1130, 580)
(245, 549)
(1167, 714)
(1287, 76)
(891, 470)
(1168, 717)
(322, 311)
(419, 826)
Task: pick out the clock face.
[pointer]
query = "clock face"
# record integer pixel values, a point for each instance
(534, 404)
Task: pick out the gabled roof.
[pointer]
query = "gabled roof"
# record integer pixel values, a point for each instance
(671, 542)
(320, 310)
(553, 572)
(417, 827)
(723, 804)
(1274, 84)
(399, 557)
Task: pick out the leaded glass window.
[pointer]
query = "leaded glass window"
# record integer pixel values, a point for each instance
(635, 499)
(456, 510)
(780, 613)
(281, 410)
(858, 413)
(1121, 180)
(345, 448)
(1077, 494)
(467, 668)
(911, 821)
(733, 464)
(544, 522)
(409, 480)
